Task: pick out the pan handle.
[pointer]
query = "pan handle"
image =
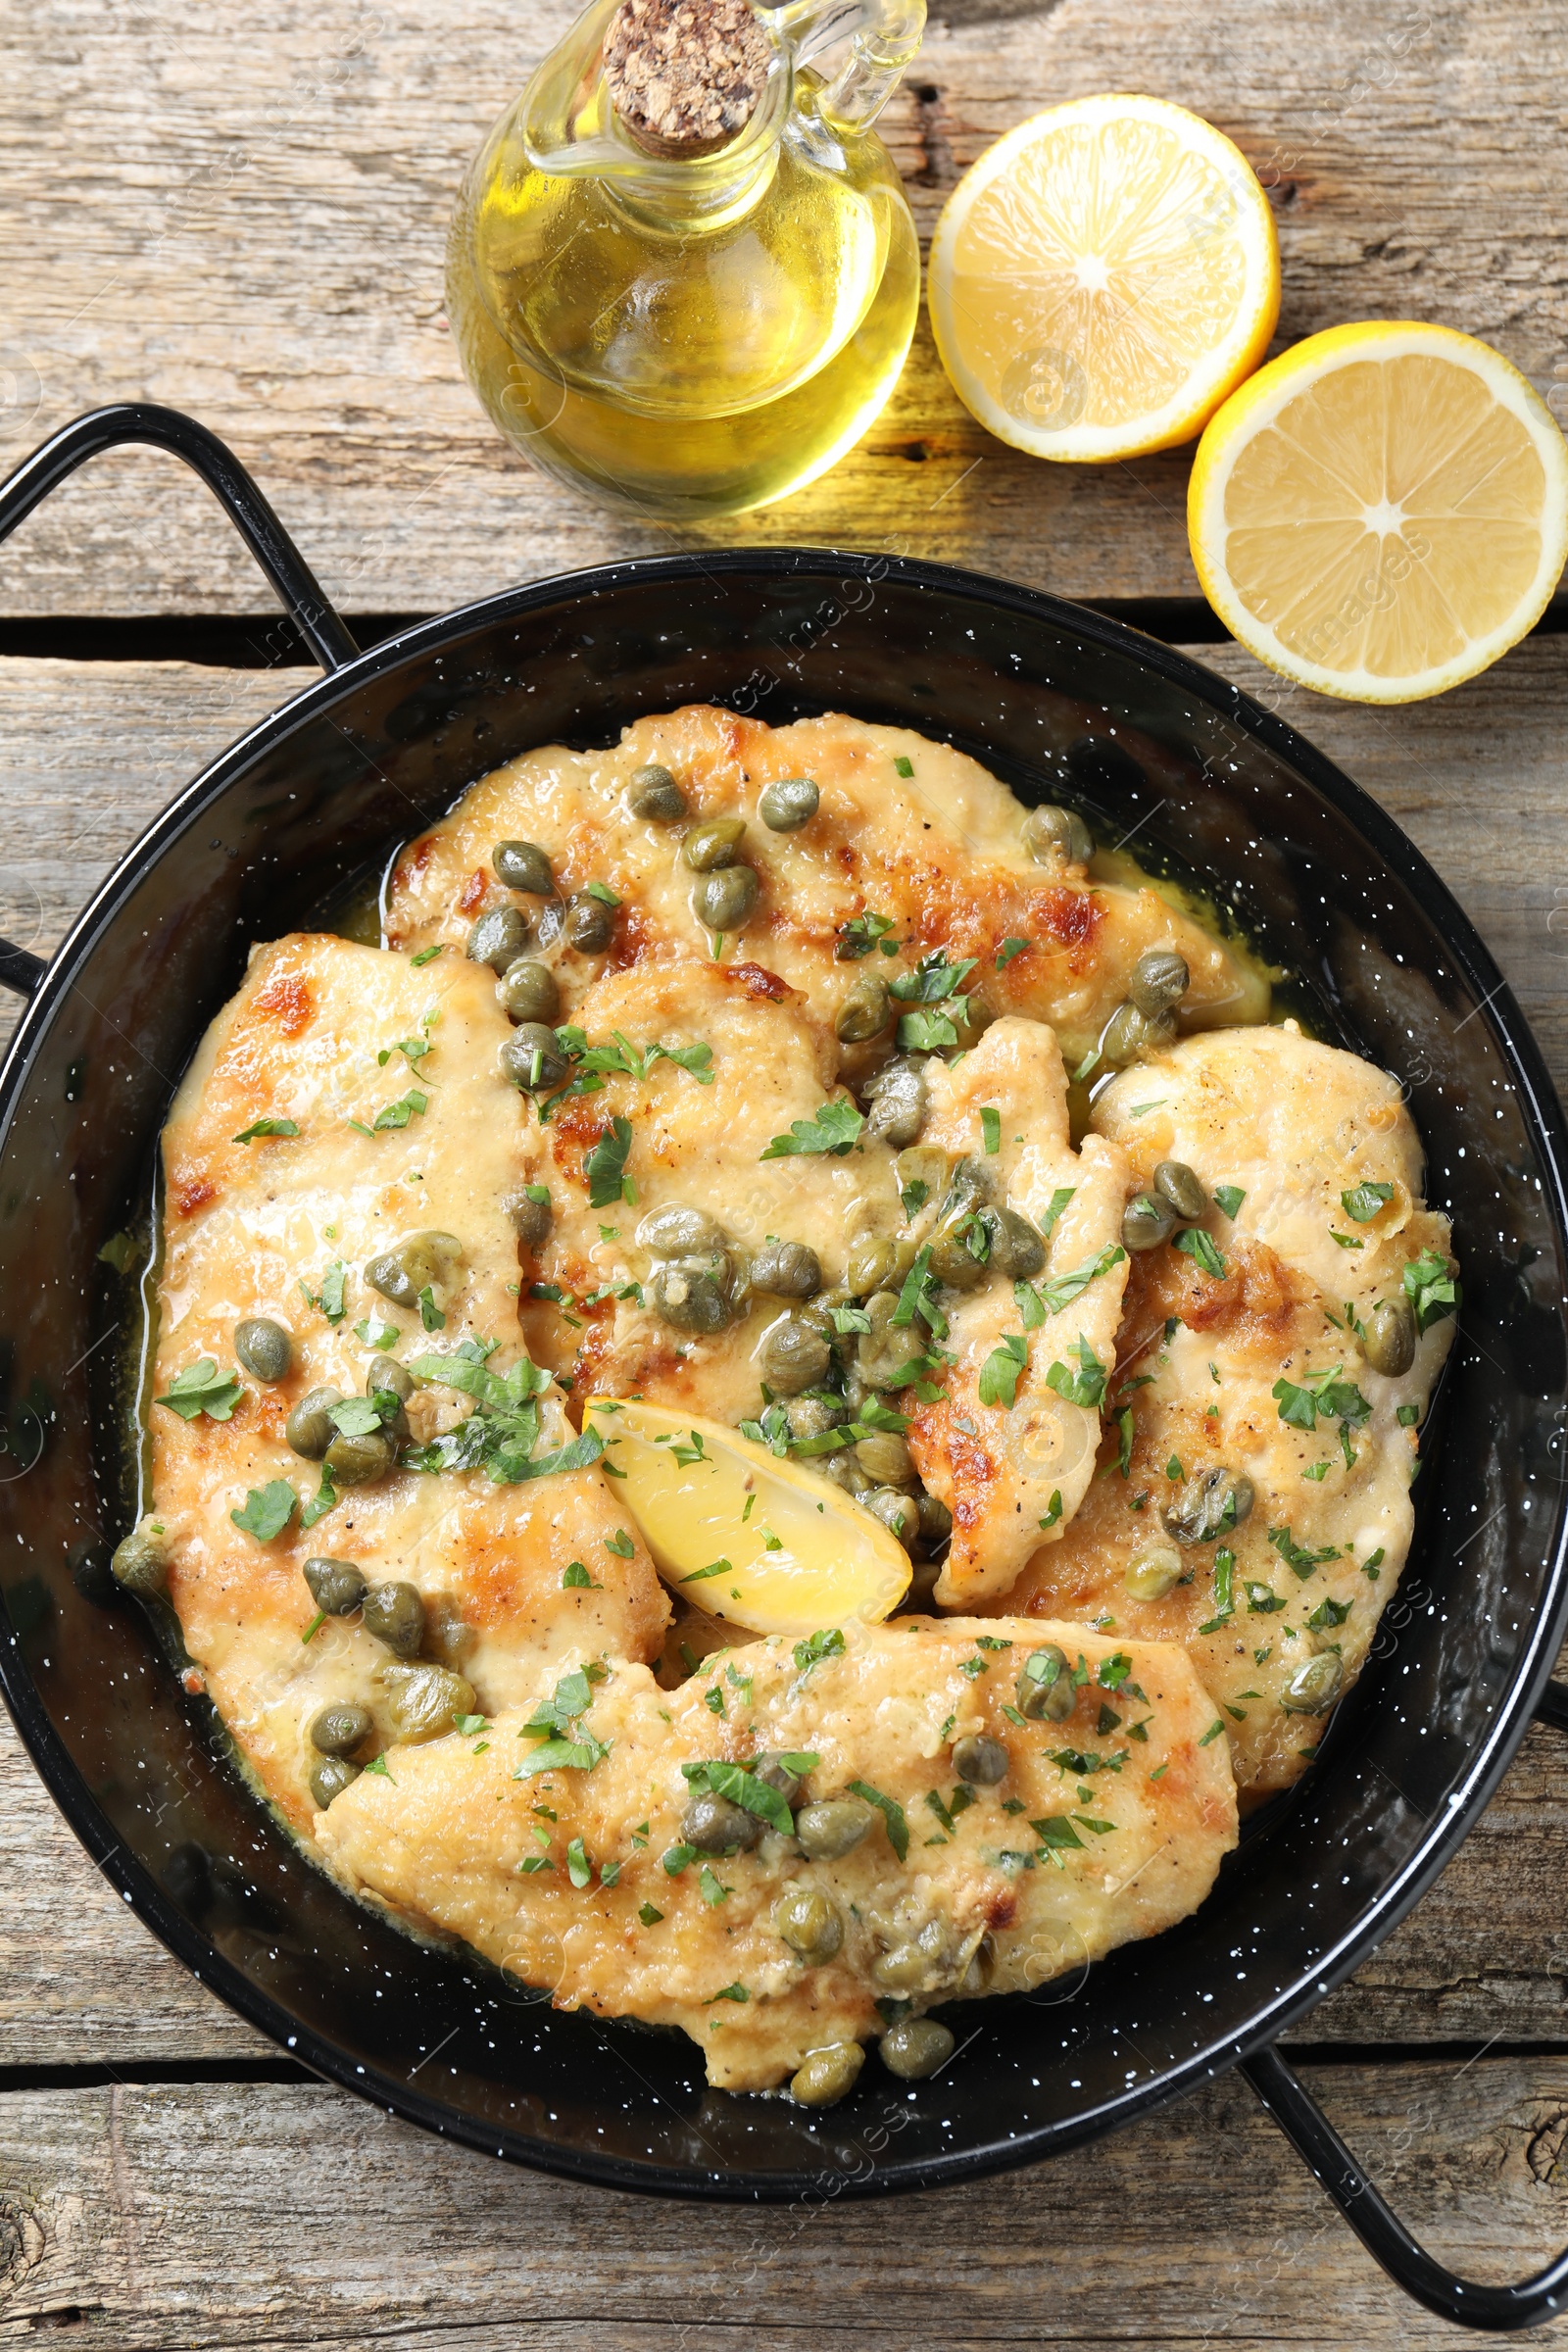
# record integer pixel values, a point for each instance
(246, 507)
(1542, 2296)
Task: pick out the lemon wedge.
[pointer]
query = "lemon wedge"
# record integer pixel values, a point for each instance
(744, 1534)
(1381, 512)
(1102, 277)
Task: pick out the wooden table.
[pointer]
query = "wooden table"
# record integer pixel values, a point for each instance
(241, 211)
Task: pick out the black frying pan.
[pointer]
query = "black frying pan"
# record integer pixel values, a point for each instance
(1063, 705)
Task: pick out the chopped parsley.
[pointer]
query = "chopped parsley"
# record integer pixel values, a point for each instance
(574, 1578)
(268, 1510)
(1011, 947)
(413, 1104)
(859, 935)
(1362, 1203)
(1037, 1300)
(376, 1334)
(1228, 1197)
(991, 1128)
(999, 1374)
(1224, 1595)
(1329, 1612)
(1059, 1201)
(1054, 1510)
(648, 1915)
(744, 1788)
(1198, 1246)
(826, 1643)
(605, 1167)
(261, 1127)
(905, 767)
(1295, 1556)
(1087, 1386)
(500, 1435)
(329, 1301)
(425, 956)
(833, 1132)
(1431, 1290)
(565, 1745)
(891, 1813)
(202, 1388)
(620, 1543)
(1299, 1403)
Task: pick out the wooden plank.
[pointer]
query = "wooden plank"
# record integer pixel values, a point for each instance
(252, 227)
(279, 2216)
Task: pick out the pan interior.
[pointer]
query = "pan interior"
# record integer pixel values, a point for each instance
(1064, 707)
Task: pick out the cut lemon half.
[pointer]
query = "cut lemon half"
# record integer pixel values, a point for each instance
(1102, 277)
(747, 1537)
(1381, 512)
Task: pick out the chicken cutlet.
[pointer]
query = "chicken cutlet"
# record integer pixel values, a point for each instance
(800, 1831)
(343, 1109)
(1253, 1493)
(912, 847)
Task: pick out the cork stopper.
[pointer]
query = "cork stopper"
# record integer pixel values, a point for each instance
(685, 76)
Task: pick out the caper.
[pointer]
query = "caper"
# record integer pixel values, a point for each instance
(264, 1348)
(385, 1373)
(140, 1563)
(713, 844)
(309, 1428)
(722, 901)
(1153, 1571)
(787, 1271)
(422, 1261)
(872, 1264)
(904, 1969)
(1314, 1686)
(1129, 1035)
(1178, 1184)
(898, 1102)
(789, 804)
(774, 1773)
(953, 1262)
(1016, 1248)
(498, 938)
(981, 1761)
(863, 1013)
(886, 1352)
(794, 1358)
(696, 1293)
(1047, 1692)
(843, 1470)
(533, 1058)
(337, 1586)
(527, 991)
(1389, 1341)
(810, 1922)
(826, 2076)
(395, 1614)
(1210, 1504)
(1159, 980)
(812, 1416)
(885, 1458)
(339, 1730)
(936, 1520)
(588, 924)
(330, 1778)
(531, 1219)
(655, 794)
(425, 1701)
(712, 1825)
(679, 1232)
(525, 866)
(833, 1826)
(1057, 836)
(1146, 1222)
(359, 1461)
(897, 1513)
(915, 2048)
(978, 1971)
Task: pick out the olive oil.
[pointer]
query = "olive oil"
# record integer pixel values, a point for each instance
(681, 337)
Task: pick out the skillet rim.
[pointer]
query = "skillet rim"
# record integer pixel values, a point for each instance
(1436, 1843)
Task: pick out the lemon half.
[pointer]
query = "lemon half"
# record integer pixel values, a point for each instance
(1381, 512)
(745, 1535)
(1102, 277)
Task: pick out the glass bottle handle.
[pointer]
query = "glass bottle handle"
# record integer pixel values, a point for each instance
(883, 37)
